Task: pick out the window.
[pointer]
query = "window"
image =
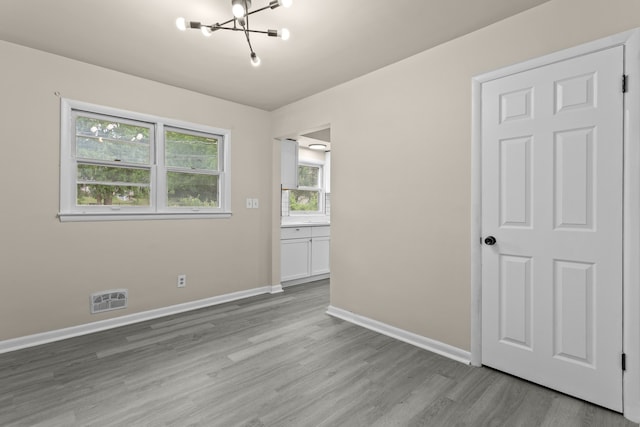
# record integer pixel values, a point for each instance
(113, 161)
(192, 169)
(122, 165)
(308, 197)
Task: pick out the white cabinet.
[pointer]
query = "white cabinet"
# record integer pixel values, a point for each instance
(319, 255)
(289, 164)
(304, 253)
(295, 253)
(320, 239)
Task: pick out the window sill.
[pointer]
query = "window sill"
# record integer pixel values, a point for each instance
(105, 216)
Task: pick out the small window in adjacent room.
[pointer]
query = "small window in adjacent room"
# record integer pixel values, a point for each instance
(308, 198)
(122, 165)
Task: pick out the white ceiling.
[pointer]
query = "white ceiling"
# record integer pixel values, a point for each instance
(332, 41)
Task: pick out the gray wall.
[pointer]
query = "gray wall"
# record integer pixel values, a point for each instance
(401, 156)
(48, 269)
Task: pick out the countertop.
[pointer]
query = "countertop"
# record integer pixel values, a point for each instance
(305, 224)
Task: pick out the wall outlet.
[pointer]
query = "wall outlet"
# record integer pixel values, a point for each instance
(182, 280)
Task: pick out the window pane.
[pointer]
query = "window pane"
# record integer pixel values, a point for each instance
(98, 139)
(186, 189)
(191, 151)
(104, 185)
(308, 176)
(303, 200)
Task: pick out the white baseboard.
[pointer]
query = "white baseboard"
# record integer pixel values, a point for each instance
(276, 289)
(425, 343)
(101, 325)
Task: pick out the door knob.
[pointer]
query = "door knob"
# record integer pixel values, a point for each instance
(490, 241)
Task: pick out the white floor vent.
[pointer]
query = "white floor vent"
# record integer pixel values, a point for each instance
(109, 300)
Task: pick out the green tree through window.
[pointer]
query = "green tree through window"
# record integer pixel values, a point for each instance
(307, 197)
(191, 159)
(120, 146)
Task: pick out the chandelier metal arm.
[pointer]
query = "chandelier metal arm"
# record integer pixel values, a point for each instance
(258, 10)
(245, 27)
(216, 27)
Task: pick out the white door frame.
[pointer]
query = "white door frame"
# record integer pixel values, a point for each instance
(631, 207)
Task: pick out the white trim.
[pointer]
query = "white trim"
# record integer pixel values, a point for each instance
(476, 224)
(631, 236)
(95, 216)
(631, 246)
(101, 325)
(311, 162)
(276, 289)
(66, 176)
(425, 343)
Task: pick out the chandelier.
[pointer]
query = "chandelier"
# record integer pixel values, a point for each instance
(239, 22)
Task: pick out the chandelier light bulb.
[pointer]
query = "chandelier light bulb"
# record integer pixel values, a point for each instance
(255, 59)
(284, 34)
(285, 3)
(206, 31)
(237, 8)
(181, 23)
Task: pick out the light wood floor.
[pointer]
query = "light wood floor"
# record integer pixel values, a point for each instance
(272, 360)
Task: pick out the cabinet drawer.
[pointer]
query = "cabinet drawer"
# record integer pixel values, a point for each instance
(321, 231)
(295, 232)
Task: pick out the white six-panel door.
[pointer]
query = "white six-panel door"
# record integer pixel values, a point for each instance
(552, 155)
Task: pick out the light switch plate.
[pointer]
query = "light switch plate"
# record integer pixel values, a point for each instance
(255, 204)
(249, 203)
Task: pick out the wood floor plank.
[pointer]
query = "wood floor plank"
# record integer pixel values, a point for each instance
(271, 360)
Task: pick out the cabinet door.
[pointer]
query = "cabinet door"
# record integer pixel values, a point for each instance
(289, 164)
(320, 255)
(295, 259)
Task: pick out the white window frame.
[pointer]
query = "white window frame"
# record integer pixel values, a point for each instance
(158, 209)
(320, 188)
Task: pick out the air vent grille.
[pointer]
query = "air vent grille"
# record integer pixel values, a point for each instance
(113, 299)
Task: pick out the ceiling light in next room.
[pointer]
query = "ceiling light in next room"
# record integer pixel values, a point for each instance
(240, 22)
(318, 146)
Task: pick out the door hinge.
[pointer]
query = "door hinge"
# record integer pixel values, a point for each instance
(624, 361)
(624, 83)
